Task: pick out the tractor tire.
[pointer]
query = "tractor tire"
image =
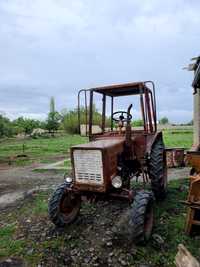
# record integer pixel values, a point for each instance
(158, 169)
(141, 217)
(64, 206)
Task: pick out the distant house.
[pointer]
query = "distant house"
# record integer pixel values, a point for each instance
(38, 131)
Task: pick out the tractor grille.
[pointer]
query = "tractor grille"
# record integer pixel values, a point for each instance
(88, 166)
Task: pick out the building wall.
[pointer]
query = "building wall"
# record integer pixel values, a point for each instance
(196, 117)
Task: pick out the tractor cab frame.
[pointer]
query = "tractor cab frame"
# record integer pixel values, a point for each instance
(105, 166)
(146, 91)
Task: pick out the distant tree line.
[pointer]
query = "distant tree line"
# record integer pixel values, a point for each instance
(66, 120)
(10, 128)
(20, 125)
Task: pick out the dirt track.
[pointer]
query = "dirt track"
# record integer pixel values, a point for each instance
(16, 183)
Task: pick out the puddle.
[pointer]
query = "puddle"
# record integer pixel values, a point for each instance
(59, 165)
(10, 198)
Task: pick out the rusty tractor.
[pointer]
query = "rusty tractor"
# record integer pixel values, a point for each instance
(107, 164)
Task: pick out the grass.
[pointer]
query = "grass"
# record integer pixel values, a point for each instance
(170, 216)
(178, 138)
(48, 150)
(41, 149)
(8, 245)
(40, 204)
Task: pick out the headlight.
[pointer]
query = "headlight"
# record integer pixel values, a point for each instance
(68, 180)
(117, 182)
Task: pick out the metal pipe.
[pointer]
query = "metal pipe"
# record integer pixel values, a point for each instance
(146, 114)
(79, 116)
(112, 103)
(91, 113)
(86, 117)
(153, 111)
(149, 110)
(154, 100)
(103, 112)
(143, 114)
(79, 106)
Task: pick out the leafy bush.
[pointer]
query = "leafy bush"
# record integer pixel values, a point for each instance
(137, 123)
(24, 125)
(70, 119)
(164, 120)
(70, 122)
(6, 128)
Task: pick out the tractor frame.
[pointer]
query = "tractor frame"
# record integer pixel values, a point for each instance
(105, 166)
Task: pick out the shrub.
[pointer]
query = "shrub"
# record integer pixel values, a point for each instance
(164, 120)
(70, 119)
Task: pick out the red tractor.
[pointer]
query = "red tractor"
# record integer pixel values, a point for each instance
(106, 165)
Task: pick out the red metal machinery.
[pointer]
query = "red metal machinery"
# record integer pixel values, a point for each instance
(105, 166)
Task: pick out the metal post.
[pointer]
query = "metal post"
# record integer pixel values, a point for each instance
(142, 108)
(112, 103)
(154, 102)
(103, 112)
(91, 113)
(86, 117)
(153, 111)
(149, 110)
(79, 125)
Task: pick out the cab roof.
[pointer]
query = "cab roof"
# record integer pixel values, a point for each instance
(125, 89)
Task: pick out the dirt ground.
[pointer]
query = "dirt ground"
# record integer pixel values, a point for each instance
(17, 183)
(98, 236)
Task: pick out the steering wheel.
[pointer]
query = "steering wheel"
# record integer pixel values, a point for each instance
(121, 117)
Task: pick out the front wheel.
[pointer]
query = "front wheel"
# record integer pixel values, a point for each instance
(64, 206)
(141, 219)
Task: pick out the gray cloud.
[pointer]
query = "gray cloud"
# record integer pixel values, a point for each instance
(54, 47)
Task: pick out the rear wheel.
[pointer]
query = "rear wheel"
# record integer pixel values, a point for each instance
(158, 169)
(141, 219)
(64, 206)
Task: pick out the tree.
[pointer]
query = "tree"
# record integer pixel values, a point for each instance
(164, 120)
(190, 123)
(53, 119)
(20, 125)
(26, 125)
(6, 128)
(70, 119)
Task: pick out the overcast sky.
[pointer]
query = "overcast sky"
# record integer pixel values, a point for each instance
(55, 47)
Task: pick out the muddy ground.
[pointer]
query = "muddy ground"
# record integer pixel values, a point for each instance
(88, 242)
(16, 183)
